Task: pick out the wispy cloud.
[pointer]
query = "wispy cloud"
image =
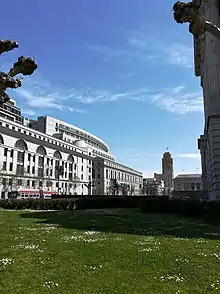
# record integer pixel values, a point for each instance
(139, 154)
(176, 99)
(143, 47)
(29, 112)
(189, 156)
(37, 94)
(180, 55)
(108, 53)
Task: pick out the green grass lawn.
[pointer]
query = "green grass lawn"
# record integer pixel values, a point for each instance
(107, 251)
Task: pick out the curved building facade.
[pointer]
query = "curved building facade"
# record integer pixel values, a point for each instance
(55, 157)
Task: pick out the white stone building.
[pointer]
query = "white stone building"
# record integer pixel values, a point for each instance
(105, 171)
(207, 67)
(45, 155)
(188, 182)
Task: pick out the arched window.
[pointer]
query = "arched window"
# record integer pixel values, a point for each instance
(21, 144)
(70, 158)
(57, 155)
(1, 140)
(41, 150)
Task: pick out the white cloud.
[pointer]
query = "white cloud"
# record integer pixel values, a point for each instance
(189, 156)
(37, 94)
(29, 112)
(180, 55)
(143, 46)
(89, 97)
(107, 53)
(176, 99)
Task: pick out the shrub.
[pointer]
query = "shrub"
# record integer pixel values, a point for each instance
(208, 211)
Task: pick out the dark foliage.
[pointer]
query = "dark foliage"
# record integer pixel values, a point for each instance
(186, 208)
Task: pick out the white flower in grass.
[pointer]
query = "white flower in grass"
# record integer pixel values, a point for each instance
(202, 254)
(216, 285)
(217, 255)
(148, 249)
(50, 284)
(89, 233)
(93, 267)
(177, 278)
(6, 261)
(182, 260)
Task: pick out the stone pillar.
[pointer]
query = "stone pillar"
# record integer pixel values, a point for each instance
(202, 146)
(211, 90)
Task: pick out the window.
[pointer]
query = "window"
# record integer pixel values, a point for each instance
(20, 170)
(40, 172)
(33, 184)
(28, 183)
(12, 153)
(20, 157)
(29, 157)
(33, 170)
(19, 182)
(5, 151)
(21, 144)
(11, 166)
(28, 169)
(4, 165)
(82, 177)
(41, 161)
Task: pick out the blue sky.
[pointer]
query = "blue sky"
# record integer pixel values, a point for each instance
(122, 70)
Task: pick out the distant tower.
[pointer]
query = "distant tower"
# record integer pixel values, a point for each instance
(167, 169)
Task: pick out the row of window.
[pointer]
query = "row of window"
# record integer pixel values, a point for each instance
(110, 174)
(50, 140)
(36, 184)
(72, 131)
(44, 172)
(120, 167)
(41, 137)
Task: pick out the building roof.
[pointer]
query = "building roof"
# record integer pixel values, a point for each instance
(184, 176)
(80, 144)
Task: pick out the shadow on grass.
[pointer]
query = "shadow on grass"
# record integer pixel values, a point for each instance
(127, 221)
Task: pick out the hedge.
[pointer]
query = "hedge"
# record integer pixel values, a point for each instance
(189, 208)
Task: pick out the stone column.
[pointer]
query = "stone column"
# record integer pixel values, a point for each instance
(202, 146)
(211, 86)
